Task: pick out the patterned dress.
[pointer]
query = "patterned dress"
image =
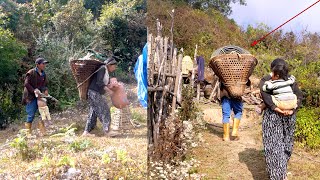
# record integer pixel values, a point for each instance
(98, 107)
(277, 133)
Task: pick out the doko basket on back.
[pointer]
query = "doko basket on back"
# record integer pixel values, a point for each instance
(233, 70)
(82, 71)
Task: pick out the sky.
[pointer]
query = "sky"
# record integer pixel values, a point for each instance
(273, 13)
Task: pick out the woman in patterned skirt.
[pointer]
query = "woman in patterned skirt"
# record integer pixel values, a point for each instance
(278, 129)
(98, 106)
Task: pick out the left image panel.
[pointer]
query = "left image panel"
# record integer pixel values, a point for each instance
(73, 89)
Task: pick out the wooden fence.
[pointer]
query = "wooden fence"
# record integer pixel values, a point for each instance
(164, 83)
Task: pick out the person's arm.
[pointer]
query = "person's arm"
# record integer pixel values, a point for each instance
(267, 99)
(269, 86)
(27, 83)
(108, 90)
(299, 95)
(45, 80)
(100, 76)
(265, 86)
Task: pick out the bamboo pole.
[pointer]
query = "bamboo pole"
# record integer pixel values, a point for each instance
(150, 63)
(213, 93)
(176, 85)
(171, 39)
(193, 69)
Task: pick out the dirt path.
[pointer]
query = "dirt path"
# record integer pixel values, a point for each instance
(76, 157)
(244, 159)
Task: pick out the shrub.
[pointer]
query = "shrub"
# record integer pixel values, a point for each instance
(308, 127)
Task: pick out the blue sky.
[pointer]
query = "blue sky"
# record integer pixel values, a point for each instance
(275, 12)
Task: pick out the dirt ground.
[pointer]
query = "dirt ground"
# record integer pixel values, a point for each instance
(77, 157)
(244, 159)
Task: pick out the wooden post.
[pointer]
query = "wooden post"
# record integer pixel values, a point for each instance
(214, 91)
(198, 91)
(176, 85)
(150, 62)
(171, 32)
(194, 62)
(163, 80)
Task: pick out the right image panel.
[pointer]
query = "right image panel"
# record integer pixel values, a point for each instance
(233, 89)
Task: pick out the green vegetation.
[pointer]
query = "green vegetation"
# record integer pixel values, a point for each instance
(59, 30)
(308, 127)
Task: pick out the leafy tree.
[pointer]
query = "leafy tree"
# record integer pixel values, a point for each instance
(10, 52)
(95, 6)
(123, 29)
(73, 21)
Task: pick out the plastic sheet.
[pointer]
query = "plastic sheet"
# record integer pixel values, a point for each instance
(140, 71)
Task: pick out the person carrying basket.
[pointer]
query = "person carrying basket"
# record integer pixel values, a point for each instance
(233, 65)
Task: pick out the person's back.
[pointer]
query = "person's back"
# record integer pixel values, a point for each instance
(280, 88)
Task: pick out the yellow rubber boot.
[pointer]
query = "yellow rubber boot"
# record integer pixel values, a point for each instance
(235, 128)
(42, 128)
(226, 132)
(28, 127)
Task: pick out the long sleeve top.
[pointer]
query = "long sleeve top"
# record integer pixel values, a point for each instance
(267, 99)
(280, 88)
(97, 83)
(32, 81)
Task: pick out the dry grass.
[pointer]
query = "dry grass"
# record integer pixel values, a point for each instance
(75, 157)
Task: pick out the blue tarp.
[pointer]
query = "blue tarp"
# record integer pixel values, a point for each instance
(140, 72)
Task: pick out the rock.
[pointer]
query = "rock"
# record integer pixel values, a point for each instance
(72, 172)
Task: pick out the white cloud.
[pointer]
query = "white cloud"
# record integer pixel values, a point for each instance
(275, 12)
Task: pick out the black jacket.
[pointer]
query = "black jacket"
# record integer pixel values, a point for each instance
(97, 83)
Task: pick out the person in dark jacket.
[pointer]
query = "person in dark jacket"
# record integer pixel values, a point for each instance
(35, 79)
(278, 126)
(98, 106)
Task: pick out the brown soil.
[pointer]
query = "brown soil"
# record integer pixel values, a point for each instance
(244, 159)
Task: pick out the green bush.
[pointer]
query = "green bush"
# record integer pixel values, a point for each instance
(11, 50)
(308, 127)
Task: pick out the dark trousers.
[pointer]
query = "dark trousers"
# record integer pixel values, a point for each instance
(277, 133)
(98, 108)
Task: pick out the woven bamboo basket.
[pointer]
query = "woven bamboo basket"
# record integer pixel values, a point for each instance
(121, 120)
(234, 71)
(82, 71)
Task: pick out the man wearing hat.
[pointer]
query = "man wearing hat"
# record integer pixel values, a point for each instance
(35, 78)
(98, 105)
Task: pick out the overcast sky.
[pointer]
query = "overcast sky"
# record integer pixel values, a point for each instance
(275, 12)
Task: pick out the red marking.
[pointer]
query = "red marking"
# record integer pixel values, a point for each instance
(256, 41)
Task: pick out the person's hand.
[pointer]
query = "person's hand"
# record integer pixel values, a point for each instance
(37, 92)
(109, 91)
(279, 110)
(288, 112)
